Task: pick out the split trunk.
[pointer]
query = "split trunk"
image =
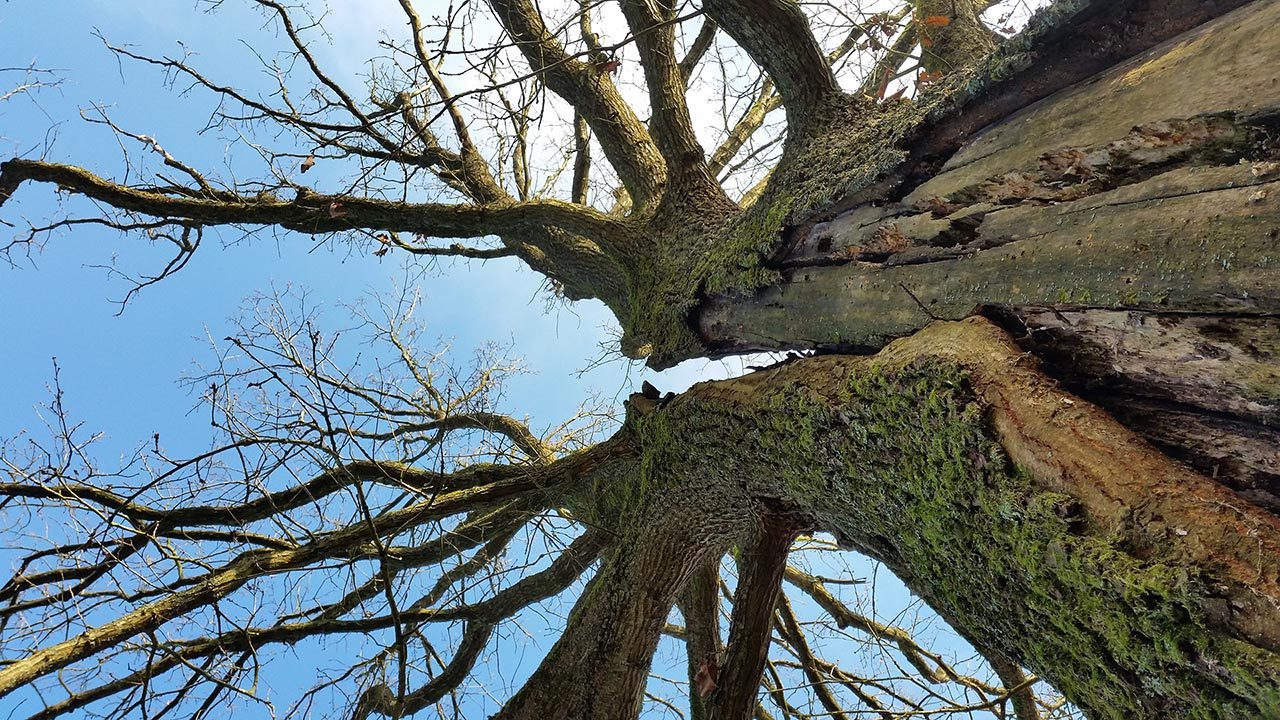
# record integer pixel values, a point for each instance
(1083, 476)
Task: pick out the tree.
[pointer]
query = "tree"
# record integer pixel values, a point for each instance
(1040, 298)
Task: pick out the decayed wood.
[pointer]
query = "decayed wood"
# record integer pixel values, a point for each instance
(1218, 364)
(1140, 247)
(1241, 455)
(1089, 37)
(1225, 65)
(1117, 193)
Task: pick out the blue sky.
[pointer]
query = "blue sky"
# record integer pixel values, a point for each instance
(120, 368)
(61, 301)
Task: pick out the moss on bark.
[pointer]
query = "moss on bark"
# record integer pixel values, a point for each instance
(930, 491)
(903, 462)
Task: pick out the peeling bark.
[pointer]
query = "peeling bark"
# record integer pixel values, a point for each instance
(1116, 193)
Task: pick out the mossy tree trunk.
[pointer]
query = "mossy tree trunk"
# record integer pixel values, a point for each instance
(1033, 521)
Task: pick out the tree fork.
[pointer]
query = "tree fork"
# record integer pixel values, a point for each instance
(1039, 526)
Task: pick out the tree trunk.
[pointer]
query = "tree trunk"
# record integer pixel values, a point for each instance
(1034, 522)
(1041, 528)
(1124, 229)
(1116, 193)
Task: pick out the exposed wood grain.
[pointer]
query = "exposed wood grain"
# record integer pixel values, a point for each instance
(1226, 65)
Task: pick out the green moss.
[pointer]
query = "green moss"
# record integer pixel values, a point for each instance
(1124, 637)
(840, 150)
(903, 465)
(697, 257)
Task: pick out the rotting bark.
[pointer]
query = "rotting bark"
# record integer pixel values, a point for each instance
(1205, 388)
(1118, 192)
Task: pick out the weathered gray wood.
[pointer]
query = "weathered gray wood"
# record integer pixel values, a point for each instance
(1222, 365)
(1144, 246)
(1115, 193)
(1243, 456)
(1229, 64)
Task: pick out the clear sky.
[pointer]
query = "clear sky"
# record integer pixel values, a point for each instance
(120, 367)
(61, 301)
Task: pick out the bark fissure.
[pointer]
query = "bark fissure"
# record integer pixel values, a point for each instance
(1201, 386)
(934, 229)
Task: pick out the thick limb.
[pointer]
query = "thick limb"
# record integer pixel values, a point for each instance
(623, 137)
(759, 590)
(776, 35)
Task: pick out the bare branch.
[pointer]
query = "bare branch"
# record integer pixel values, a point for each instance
(318, 213)
(669, 121)
(759, 588)
(776, 35)
(590, 90)
(698, 49)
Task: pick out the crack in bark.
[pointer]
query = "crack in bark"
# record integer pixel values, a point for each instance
(936, 229)
(1201, 386)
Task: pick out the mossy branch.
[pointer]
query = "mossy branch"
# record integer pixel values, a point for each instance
(316, 212)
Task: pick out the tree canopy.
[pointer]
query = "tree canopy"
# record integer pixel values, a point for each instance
(831, 179)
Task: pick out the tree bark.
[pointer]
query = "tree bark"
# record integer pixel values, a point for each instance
(1115, 193)
(1125, 229)
(750, 629)
(1034, 522)
(1040, 527)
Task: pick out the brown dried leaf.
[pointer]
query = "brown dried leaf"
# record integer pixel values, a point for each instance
(1266, 169)
(706, 678)
(307, 164)
(336, 210)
